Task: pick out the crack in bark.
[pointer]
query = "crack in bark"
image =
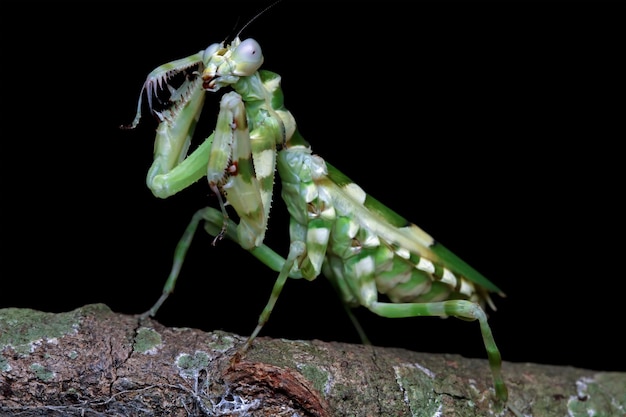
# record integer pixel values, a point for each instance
(374, 360)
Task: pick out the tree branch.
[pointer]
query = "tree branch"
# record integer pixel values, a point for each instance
(93, 362)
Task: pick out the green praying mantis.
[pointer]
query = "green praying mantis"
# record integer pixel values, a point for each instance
(372, 256)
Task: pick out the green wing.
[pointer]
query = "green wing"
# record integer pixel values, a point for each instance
(397, 229)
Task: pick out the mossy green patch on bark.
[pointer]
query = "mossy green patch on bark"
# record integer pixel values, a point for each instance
(23, 329)
(603, 396)
(41, 372)
(191, 365)
(147, 340)
(319, 377)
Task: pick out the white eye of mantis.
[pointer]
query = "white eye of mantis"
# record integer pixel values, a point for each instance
(247, 57)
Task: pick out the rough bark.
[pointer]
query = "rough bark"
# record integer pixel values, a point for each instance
(94, 362)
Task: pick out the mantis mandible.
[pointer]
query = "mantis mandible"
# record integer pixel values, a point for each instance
(372, 256)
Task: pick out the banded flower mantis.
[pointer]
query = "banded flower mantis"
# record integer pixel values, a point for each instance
(372, 256)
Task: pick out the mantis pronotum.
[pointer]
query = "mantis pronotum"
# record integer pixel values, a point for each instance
(372, 256)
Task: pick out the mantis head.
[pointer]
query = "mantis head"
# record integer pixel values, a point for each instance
(223, 65)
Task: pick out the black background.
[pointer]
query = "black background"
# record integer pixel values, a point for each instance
(494, 127)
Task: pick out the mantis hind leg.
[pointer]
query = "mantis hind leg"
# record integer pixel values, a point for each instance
(462, 309)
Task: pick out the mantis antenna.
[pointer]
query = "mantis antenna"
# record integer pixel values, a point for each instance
(257, 15)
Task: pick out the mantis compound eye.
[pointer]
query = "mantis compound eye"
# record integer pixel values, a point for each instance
(210, 51)
(247, 57)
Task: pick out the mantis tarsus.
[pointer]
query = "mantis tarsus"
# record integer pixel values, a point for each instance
(372, 256)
